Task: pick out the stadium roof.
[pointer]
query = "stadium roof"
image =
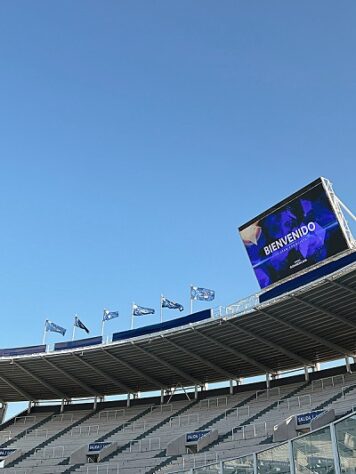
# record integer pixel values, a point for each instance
(313, 324)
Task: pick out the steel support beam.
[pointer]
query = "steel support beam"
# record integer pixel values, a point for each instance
(137, 371)
(23, 393)
(75, 380)
(310, 335)
(204, 361)
(271, 344)
(171, 367)
(342, 286)
(50, 387)
(236, 353)
(338, 317)
(103, 374)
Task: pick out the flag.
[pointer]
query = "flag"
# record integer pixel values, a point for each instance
(201, 294)
(110, 315)
(170, 304)
(79, 324)
(54, 328)
(141, 311)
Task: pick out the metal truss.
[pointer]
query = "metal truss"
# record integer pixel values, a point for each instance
(73, 379)
(204, 361)
(236, 353)
(310, 335)
(137, 371)
(273, 345)
(171, 367)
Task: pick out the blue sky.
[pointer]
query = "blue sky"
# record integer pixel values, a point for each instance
(136, 136)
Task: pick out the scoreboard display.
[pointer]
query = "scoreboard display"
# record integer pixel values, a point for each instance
(293, 235)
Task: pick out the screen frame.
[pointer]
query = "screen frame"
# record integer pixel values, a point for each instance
(327, 188)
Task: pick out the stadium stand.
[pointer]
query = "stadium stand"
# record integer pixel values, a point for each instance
(298, 420)
(244, 420)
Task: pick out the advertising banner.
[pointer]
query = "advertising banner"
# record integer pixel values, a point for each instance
(94, 447)
(4, 452)
(297, 233)
(306, 418)
(195, 436)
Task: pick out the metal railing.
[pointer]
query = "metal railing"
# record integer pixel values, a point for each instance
(197, 460)
(136, 425)
(238, 412)
(102, 469)
(43, 433)
(50, 452)
(347, 388)
(5, 435)
(24, 419)
(213, 402)
(296, 402)
(112, 414)
(84, 430)
(146, 444)
(266, 394)
(328, 382)
(162, 408)
(243, 306)
(183, 420)
(254, 430)
(62, 417)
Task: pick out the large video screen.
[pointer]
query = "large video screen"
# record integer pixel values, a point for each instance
(295, 234)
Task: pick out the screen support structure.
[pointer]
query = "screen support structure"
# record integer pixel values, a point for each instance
(337, 204)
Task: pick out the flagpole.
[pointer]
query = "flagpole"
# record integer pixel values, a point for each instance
(161, 309)
(191, 301)
(132, 316)
(73, 334)
(44, 333)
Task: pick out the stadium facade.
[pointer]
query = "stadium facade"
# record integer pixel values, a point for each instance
(303, 255)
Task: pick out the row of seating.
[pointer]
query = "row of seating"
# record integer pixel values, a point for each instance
(244, 421)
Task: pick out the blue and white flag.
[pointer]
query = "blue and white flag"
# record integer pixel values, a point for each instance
(79, 324)
(201, 294)
(166, 303)
(141, 311)
(49, 326)
(110, 315)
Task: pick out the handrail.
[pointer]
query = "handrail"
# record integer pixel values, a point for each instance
(85, 429)
(237, 410)
(190, 417)
(140, 442)
(102, 469)
(246, 429)
(50, 449)
(324, 381)
(38, 432)
(210, 401)
(268, 391)
(297, 398)
(62, 417)
(347, 387)
(108, 413)
(24, 419)
(136, 425)
(162, 408)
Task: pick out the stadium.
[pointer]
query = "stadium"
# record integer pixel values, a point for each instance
(295, 418)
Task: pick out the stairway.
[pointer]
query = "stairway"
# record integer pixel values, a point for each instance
(224, 436)
(49, 440)
(151, 430)
(106, 436)
(27, 430)
(206, 425)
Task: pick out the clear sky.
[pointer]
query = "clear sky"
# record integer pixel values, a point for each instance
(136, 136)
